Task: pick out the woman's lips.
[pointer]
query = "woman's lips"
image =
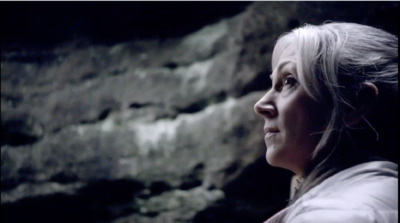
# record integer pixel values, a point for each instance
(269, 132)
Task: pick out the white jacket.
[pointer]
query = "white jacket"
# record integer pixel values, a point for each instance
(365, 193)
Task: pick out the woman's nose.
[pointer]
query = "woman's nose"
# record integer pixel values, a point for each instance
(265, 108)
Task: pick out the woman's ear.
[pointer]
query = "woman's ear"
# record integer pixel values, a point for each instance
(364, 101)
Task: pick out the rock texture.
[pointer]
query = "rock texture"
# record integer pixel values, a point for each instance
(152, 130)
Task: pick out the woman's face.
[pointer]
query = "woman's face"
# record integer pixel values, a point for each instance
(293, 120)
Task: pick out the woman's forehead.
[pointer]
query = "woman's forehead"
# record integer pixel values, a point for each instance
(286, 56)
(285, 47)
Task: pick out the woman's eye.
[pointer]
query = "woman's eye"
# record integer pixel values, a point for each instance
(289, 81)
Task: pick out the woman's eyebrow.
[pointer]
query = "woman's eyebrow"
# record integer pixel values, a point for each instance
(284, 63)
(281, 65)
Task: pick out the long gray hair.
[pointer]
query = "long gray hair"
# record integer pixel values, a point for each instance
(334, 60)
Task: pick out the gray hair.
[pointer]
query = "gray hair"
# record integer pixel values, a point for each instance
(333, 62)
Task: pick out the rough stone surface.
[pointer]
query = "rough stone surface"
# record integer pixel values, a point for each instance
(151, 130)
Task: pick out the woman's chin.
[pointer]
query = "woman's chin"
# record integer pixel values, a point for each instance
(276, 160)
(272, 159)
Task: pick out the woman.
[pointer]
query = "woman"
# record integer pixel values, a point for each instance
(331, 117)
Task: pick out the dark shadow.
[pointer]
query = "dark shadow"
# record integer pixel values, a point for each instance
(259, 192)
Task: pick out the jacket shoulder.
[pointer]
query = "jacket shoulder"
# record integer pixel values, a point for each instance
(340, 216)
(365, 193)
